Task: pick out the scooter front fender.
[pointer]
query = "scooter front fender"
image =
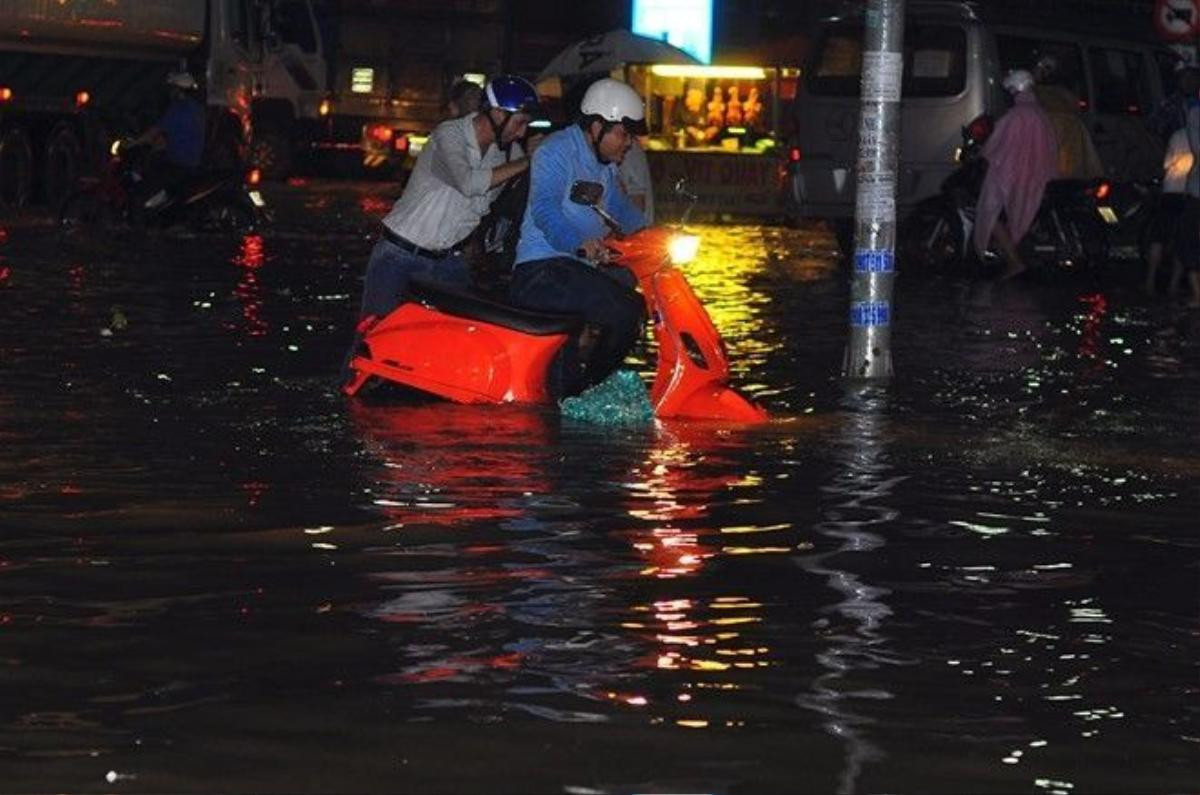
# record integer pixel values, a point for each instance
(714, 402)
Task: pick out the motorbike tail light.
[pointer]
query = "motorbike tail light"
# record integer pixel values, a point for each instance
(980, 128)
(6, 94)
(380, 132)
(794, 154)
(82, 98)
(400, 144)
(253, 177)
(1103, 189)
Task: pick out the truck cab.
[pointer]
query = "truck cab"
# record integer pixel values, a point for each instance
(330, 89)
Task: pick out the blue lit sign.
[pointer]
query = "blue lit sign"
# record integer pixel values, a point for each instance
(685, 23)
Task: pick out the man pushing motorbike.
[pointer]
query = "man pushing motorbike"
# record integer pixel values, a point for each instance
(457, 175)
(562, 262)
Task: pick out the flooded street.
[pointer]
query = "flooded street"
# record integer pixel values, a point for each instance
(217, 574)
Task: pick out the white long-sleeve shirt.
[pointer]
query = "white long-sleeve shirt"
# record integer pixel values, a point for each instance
(449, 190)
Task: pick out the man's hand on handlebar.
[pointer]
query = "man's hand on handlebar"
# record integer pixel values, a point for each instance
(595, 251)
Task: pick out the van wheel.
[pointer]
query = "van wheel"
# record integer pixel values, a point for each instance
(63, 159)
(16, 169)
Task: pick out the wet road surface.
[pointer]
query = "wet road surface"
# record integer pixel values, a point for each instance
(218, 575)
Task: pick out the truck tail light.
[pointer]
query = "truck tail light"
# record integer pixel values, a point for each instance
(380, 132)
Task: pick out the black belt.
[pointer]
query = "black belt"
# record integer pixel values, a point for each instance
(413, 248)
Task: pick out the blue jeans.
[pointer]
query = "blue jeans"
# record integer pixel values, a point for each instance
(390, 267)
(604, 297)
(388, 271)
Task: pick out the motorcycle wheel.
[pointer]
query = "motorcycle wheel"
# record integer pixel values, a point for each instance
(82, 214)
(931, 240)
(227, 216)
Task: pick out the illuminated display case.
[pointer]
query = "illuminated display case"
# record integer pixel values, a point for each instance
(725, 109)
(718, 128)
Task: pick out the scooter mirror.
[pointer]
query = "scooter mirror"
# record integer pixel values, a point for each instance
(682, 189)
(587, 193)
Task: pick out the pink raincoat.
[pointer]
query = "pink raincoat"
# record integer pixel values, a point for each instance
(1022, 156)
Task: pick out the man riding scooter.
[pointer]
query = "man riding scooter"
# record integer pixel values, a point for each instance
(561, 258)
(177, 139)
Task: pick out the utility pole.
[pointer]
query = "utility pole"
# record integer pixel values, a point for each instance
(869, 352)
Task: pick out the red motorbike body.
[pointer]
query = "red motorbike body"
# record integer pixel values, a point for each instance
(471, 350)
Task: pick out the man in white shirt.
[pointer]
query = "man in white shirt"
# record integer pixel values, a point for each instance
(635, 179)
(459, 172)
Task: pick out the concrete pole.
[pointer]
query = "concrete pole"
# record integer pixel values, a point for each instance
(869, 352)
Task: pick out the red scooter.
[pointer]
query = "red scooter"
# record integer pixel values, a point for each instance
(471, 350)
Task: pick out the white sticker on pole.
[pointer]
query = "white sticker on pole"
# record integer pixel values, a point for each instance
(881, 75)
(876, 197)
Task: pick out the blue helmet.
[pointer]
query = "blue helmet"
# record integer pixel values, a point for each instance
(512, 93)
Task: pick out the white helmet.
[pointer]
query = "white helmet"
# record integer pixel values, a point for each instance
(182, 80)
(1018, 80)
(615, 102)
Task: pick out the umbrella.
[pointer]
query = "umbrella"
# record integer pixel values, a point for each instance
(608, 50)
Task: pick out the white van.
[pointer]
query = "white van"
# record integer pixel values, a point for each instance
(955, 54)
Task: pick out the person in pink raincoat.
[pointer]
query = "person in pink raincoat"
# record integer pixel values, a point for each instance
(1022, 156)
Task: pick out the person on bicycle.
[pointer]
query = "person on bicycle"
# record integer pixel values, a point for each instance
(177, 140)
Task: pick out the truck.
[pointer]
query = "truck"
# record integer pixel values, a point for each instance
(75, 75)
(341, 88)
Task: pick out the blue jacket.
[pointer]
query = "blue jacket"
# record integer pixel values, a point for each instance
(183, 124)
(554, 225)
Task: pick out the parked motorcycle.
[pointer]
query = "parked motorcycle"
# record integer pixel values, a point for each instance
(1070, 233)
(210, 200)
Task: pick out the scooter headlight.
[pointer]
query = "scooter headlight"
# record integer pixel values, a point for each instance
(683, 248)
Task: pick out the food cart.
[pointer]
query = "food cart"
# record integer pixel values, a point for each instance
(721, 128)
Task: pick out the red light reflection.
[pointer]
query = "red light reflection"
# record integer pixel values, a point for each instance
(373, 205)
(434, 471)
(249, 290)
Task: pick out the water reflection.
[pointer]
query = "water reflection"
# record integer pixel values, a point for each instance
(250, 258)
(855, 626)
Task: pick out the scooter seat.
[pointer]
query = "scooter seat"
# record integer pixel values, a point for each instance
(476, 307)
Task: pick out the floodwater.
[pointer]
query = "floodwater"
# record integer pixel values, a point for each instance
(217, 575)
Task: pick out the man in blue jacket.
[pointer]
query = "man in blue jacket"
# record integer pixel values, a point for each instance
(561, 263)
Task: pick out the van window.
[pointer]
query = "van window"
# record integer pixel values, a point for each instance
(935, 58)
(1020, 52)
(1122, 81)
